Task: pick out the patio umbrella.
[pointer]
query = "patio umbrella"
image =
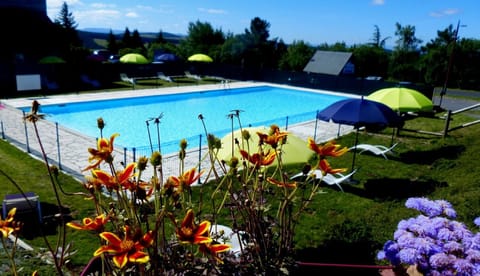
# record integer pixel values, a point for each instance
(295, 150)
(200, 58)
(133, 58)
(360, 113)
(167, 57)
(402, 99)
(51, 60)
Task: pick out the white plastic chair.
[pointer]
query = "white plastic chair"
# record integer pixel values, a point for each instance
(164, 77)
(329, 179)
(225, 234)
(375, 149)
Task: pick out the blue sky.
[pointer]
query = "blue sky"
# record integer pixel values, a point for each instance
(313, 21)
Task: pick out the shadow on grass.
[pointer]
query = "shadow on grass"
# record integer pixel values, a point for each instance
(33, 228)
(349, 242)
(395, 188)
(332, 259)
(429, 157)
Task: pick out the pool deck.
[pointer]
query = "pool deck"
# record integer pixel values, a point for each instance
(71, 147)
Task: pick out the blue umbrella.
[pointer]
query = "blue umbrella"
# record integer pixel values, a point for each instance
(167, 57)
(360, 113)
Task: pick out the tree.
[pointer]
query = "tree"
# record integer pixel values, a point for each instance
(377, 40)
(406, 38)
(112, 44)
(136, 41)
(66, 26)
(126, 38)
(297, 56)
(65, 18)
(202, 38)
(405, 59)
(259, 51)
(370, 60)
(160, 39)
(258, 32)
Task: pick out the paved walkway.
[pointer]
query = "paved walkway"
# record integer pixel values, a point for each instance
(69, 148)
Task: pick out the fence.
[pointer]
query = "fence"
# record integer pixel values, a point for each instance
(67, 149)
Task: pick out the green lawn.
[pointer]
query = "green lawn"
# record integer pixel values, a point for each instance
(338, 227)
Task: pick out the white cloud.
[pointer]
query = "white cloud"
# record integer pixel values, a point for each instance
(102, 5)
(212, 11)
(131, 15)
(378, 2)
(443, 13)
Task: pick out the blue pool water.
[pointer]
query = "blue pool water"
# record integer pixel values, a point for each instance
(264, 105)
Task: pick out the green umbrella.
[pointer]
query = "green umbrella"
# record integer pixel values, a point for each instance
(402, 99)
(51, 60)
(294, 151)
(200, 58)
(133, 58)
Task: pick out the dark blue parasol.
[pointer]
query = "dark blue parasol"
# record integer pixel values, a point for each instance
(360, 113)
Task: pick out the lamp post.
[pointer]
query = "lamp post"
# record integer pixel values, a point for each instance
(450, 61)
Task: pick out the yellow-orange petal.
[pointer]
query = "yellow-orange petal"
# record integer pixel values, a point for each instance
(111, 238)
(120, 260)
(75, 225)
(139, 257)
(203, 227)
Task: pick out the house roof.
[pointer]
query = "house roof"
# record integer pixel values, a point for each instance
(327, 62)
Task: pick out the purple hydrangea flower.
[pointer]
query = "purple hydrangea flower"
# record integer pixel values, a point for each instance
(432, 241)
(477, 221)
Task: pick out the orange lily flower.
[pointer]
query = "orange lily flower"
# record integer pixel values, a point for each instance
(259, 159)
(122, 177)
(185, 180)
(272, 139)
(95, 224)
(126, 250)
(214, 249)
(8, 226)
(328, 149)
(281, 183)
(326, 168)
(103, 152)
(189, 232)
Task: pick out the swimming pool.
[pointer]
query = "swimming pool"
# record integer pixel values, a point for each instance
(260, 105)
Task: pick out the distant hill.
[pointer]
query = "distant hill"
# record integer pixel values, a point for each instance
(96, 38)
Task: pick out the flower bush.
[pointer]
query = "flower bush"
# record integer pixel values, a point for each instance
(149, 226)
(433, 243)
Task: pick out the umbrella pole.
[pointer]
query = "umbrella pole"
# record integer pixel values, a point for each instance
(355, 151)
(393, 134)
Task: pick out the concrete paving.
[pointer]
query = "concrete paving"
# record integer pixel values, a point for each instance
(67, 148)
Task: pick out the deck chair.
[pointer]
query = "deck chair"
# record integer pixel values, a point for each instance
(162, 76)
(125, 78)
(190, 75)
(329, 179)
(375, 149)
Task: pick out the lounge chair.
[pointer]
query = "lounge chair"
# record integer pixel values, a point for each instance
(375, 149)
(162, 76)
(190, 75)
(225, 234)
(125, 78)
(329, 179)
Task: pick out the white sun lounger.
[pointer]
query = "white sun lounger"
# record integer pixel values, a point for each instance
(192, 76)
(162, 76)
(375, 149)
(329, 179)
(125, 78)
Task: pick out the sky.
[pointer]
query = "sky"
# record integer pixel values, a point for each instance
(312, 21)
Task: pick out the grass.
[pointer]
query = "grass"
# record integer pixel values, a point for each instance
(338, 227)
